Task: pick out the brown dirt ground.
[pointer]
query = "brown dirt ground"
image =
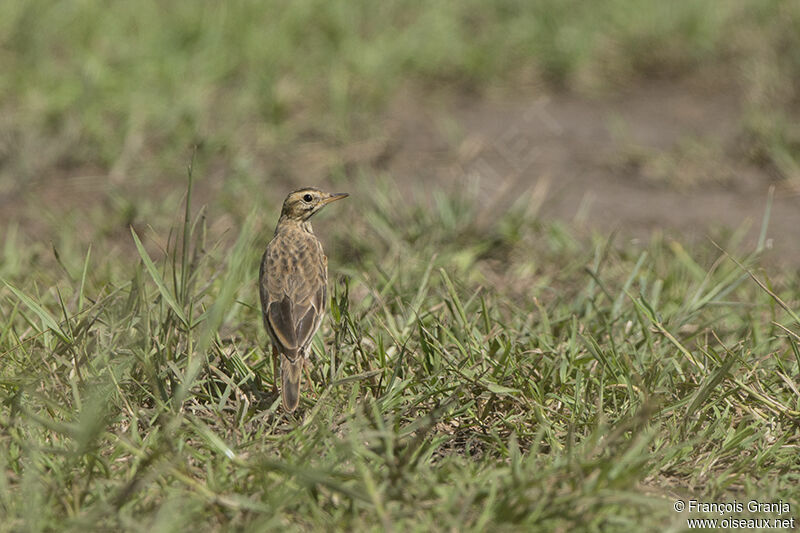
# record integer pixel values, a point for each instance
(664, 156)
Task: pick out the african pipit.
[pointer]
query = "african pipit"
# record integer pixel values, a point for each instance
(293, 285)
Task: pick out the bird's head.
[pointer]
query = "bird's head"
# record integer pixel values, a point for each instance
(303, 203)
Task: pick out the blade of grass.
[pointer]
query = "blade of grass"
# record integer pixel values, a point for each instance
(48, 321)
(169, 298)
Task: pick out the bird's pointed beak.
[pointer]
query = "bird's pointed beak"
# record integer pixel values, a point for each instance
(335, 196)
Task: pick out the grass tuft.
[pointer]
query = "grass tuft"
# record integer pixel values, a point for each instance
(503, 375)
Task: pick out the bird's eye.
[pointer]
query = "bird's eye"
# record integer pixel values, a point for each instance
(307, 198)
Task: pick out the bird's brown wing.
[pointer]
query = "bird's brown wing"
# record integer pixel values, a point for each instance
(293, 290)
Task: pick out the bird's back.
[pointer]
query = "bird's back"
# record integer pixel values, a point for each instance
(293, 287)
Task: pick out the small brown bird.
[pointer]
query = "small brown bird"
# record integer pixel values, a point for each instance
(294, 288)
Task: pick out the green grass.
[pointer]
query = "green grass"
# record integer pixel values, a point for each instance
(469, 377)
(125, 88)
(480, 368)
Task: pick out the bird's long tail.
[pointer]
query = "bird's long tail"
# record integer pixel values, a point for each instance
(291, 372)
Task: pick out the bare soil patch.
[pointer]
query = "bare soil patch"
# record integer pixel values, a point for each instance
(665, 156)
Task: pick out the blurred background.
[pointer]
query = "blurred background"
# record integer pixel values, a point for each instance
(627, 115)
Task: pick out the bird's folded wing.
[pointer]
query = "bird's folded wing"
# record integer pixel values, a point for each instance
(294, 322)
(293, 290)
